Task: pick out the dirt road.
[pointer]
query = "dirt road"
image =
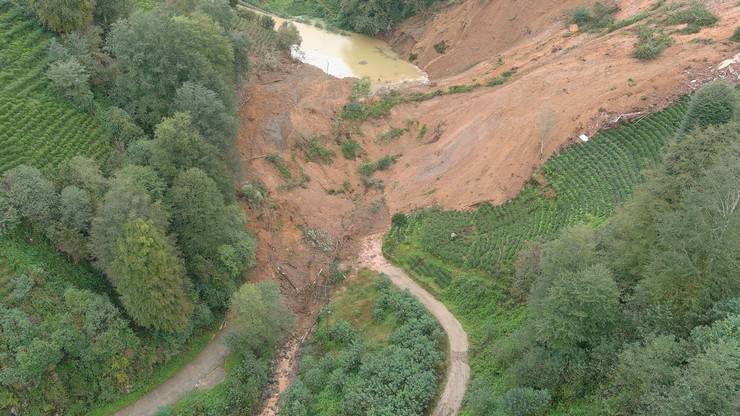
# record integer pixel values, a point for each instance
(204, 372)
(207, 369)
(458, 371)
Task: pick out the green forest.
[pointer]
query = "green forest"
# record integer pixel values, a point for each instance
(123, 245)
(371, 17)
(621, 294)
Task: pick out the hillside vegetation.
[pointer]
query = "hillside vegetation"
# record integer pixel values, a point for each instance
(369, 17)
(623, 297)
(122, 242)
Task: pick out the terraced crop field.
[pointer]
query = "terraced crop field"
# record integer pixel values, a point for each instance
(583, 183)
(37, 127)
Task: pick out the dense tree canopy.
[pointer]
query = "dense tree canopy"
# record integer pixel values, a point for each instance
(64, 15)
(150, 278)
(156, 53)
(178, 146)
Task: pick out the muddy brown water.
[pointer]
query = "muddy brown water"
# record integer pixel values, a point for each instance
(351, 55)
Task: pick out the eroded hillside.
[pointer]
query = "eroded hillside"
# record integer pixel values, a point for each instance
(454, 150)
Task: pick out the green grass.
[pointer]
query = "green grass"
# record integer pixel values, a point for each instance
(354, 303)
(314, 151)
(393, 134)
(162, 373)
(38, 126)
(280, 165)
(26, 247)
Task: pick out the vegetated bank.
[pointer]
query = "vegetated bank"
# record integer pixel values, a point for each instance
(122, 240)
(608, 286)
(375, 350)
(369, 17)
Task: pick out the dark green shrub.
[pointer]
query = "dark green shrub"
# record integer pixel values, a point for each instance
(580, 16)
(385, 162)
(350, 148)
(267, 22)
(598, 17)
(714, 104)
(525, 401)
(440, 47)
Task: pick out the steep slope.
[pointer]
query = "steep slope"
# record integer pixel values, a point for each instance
(566, 84)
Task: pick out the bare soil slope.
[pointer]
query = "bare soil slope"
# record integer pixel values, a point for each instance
(566, 84)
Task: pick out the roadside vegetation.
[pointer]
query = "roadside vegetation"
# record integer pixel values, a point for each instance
(619, 301)
(374, 350)
(122, 242)
(259, 322)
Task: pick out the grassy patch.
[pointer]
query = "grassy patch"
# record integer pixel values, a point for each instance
(314, 151)
(350, 149)
(628, 21)
(652, 41)
(391, 135)
(694, 16)
(280, 165)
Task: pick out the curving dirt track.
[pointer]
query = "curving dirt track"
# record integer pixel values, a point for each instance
(204, 372)
(458, 370)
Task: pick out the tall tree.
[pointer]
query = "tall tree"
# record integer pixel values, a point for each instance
(150, 278)
(29, 192)
(126, 200)
(199, 223)
(108, 12)
(259, 317)
(579, 309)
(178, 146)
(208, 114)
